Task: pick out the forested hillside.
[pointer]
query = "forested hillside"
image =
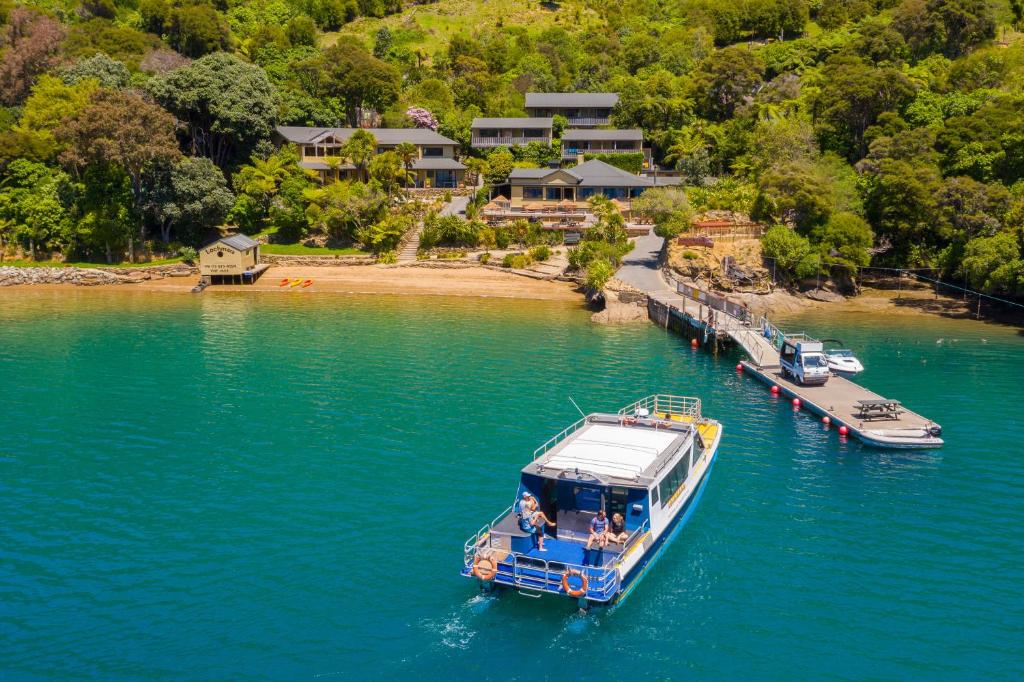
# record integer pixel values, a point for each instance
(880, 131)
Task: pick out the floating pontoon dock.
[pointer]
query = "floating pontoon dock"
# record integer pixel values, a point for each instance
(837, 400)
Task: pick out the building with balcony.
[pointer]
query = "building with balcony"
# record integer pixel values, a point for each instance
(578, 142)
(581, 109)
(560, 198)
(435, 165)
(508, 132)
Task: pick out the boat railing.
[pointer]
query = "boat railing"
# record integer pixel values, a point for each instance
(663, 403)
(477, 539)
(559, 437)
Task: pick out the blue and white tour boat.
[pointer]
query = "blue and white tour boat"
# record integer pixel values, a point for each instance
(648, 463)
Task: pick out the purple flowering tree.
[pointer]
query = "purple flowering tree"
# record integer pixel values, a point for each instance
(421, 118)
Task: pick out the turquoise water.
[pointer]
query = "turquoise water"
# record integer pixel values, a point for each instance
(235, 486)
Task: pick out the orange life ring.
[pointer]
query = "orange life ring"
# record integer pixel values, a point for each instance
(484, 567)
(568, 590)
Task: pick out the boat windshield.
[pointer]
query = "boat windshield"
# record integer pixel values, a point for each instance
(840, 353)
(814, 361)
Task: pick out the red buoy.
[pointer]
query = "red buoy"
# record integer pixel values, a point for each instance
(826, 421)
(775, 390)
(796, 402)
(693, 343)
(843, 430)
(739, 367)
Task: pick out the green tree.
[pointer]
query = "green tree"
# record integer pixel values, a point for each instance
(383, 42)
(389, 171)
(32, 204)
(301, 31)
(499, 165)
(995, 264)
(846, 240)
(407, 154)
(189, 197)
(359, 148)
(196, 30)
(852, 96)
(227, 105)
(345, 209)
(789, 250)
(109, 73)
(120, 130)
(729, 75)
(949, 27)
(260, 180)
(795, 194)
(667, 207)
(358, 79)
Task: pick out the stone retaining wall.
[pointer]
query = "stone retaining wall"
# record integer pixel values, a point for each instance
(10, 276)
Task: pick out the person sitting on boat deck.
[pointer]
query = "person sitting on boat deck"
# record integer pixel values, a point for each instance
(532, 520)
(598, 530)
(617, 533)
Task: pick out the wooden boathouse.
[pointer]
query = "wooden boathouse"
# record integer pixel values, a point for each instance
(231, 260)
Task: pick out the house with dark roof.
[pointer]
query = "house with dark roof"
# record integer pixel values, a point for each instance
(508, 132)
(560, 197)
(581, 109)
(577, 143)
(435, 165)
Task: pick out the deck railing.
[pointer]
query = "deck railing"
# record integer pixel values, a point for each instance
(559, 437)
(508, 141)
(535, 573)
(663, 403)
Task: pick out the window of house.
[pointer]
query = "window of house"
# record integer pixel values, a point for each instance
(553, 193)
(533, 192)
(433, 151)
(489, 132)
(587, 192)
(535, 132)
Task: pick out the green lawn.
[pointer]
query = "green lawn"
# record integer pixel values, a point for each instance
(302, 250)
(22, 263)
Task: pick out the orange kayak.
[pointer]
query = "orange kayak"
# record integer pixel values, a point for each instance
(283, 282)
(307, 283)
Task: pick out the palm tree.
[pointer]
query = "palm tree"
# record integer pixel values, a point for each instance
(407, 152)
(359, 149)
(262, 178)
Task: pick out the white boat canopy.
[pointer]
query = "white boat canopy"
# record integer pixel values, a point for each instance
(611, 450)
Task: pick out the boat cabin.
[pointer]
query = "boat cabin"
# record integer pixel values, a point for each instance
(636, 463)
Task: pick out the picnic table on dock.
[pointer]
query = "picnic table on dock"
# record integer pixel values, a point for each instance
(880, 408)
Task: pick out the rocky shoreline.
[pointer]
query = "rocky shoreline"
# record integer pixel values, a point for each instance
(13, 276)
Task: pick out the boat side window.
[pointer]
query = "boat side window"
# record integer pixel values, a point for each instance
(675, 479)
(654, 496)
(617, 502)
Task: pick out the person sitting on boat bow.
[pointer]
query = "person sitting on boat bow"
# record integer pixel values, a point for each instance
(532, 520)
(598, 530)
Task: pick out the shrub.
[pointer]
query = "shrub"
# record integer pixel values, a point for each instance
(598, 274)
(502, 237)
(690, 255)
(516, 260)
(447, 196)
(188, 254)
(540, 253)
(487, 238)
(387, 257)
(786, 247)
(484, 258)
(632, 162)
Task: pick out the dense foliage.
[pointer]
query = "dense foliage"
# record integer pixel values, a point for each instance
(877, 132)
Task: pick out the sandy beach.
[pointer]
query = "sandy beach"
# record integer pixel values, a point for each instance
(373, 279)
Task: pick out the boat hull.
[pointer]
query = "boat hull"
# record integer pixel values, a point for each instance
(671, 532)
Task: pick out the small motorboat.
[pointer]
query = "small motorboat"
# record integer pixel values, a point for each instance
(841, 361)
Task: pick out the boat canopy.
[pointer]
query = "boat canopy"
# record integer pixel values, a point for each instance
(612, 448)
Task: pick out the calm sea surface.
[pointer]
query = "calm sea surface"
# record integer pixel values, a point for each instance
(236, 486)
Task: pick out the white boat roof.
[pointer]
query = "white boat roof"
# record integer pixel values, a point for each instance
(612, 450)
(608, 448)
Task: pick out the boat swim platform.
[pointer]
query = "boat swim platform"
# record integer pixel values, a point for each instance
(837, 400)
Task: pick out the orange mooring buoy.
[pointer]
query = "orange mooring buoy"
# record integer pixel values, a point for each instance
(775, 390)
(843, 430)
(796, 402)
